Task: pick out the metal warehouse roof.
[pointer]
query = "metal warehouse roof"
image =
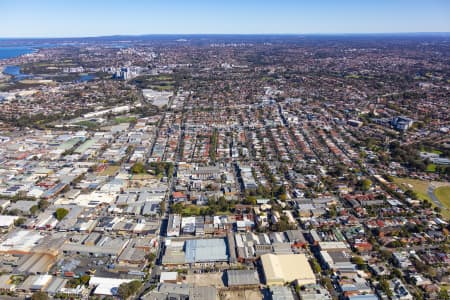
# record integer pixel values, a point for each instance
(242, 277)
(205, 250)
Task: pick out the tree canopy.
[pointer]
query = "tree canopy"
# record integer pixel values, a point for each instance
(60, 213)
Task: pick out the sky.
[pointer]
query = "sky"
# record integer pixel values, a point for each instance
(80, 18)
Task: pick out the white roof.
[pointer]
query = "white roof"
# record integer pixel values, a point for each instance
(172, 276)
(42, 280)
(139, 227)
(332, 245)
(187, 220)
(106, 286)
(6, 221)
(90, 200)
(21, 241)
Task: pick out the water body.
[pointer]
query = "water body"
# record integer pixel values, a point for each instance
(86, 77)
(10, 52)
(15, 72)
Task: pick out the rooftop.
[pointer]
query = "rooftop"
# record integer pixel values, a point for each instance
(205, 250)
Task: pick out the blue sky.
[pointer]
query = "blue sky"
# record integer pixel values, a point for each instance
(67, 18)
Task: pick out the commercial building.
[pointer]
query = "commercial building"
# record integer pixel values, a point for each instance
(279, 269)
(241, 278)
(20, 242)
(106, 286)
(168, 277)
(96, 245)
(183, 291)
(281, 293)
(206, 250)
(6, 222)
(174, 225)
(195, 252)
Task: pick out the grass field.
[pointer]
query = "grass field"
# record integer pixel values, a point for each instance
(443, 195)
(431, 168)
(109, 171)
(120, 120)
(416, 185)
(436, 152)
(161, 88)
(421, 188)
(88, 124)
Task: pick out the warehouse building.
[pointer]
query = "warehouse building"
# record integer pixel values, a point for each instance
(174, 225)
(6, 222)
(206, 251)
(242, 278)
(95, 245)
(35, 283)
(106, 286)
(36, 263)
(199, 252)
(182, 292)
(20, 242)
(282, 268)
(281, 293)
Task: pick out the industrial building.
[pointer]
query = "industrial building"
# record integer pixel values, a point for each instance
(174, 225)
(282, 268)
(95, 245)
(183, 291)
(196, 252)
(281, 293)
(242, 278)
(106, 286)
(20, 242)
(6, 222)
(206, 250)
(36, 263)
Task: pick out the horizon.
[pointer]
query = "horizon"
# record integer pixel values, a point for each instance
(83, 18)
(423, 33)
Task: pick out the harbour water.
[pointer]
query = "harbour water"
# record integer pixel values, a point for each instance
(10, 52)
(15, 72)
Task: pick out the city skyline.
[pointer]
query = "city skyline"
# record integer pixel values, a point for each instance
(49, 19)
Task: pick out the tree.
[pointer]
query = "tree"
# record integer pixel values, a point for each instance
(282, 225)
(123, 291)
(162, 207)
(60, 213)
(418, 294)
(151, 257)
(357, 260)
(443, 294)
(386, 254)
(283, 197)
(135, 285)
(84, 279)
(332, 211)
(43, 204)
(34, 209)
(411, 194)
(384, 286)
(397, 273)
(315, 266)
(127, 289)
(250, 200)
(19, 222)
(366, 184)
(138, 168)
(326, 281)
(39, 296)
